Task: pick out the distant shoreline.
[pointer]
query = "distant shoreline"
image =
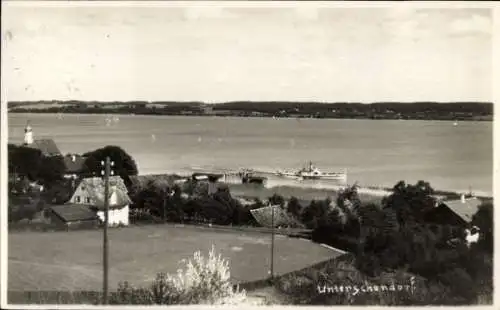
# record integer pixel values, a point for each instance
(476, 119)
(451, 111)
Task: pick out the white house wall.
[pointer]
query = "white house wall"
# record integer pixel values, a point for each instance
(116, 216)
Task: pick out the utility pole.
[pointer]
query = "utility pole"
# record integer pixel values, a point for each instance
(272, 242)
(106, 173)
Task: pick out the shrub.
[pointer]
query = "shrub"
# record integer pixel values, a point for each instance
(202, 281)
(128, 295)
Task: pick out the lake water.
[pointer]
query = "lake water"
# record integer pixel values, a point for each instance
(374, 152)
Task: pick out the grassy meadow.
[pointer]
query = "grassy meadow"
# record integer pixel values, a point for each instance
(72, 261)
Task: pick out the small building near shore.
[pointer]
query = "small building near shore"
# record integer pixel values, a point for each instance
(454, 213)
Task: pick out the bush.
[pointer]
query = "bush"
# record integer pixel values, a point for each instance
(202, 281)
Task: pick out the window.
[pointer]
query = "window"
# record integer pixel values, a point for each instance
(87, 199)
(77, 199)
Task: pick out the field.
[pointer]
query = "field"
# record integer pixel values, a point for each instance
(67, 261)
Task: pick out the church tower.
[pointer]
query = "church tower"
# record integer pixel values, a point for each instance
(28, 135)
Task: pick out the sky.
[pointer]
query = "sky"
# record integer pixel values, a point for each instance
(216, 53)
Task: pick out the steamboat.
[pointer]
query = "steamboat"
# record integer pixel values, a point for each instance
(312, 172)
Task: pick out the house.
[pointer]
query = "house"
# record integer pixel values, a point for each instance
(90, 192)
(74, 165)
(119, 209)
(47, 146)
(454, 213)
(72, 216)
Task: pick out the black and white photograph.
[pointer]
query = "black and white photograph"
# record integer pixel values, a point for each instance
(247, 153)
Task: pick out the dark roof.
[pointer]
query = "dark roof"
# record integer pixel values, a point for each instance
(74, 164)
(74, 212)
(47, 146)
(465, 210)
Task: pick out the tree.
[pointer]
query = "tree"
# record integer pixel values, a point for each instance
(410, 202)
(294, 207)
(174, 205)
(51, 170)
(276, 199)
(371, 217)
(29, 163)
(124, 164)
(315, 214)
(349, 202)
(24, 161)
(390, 221)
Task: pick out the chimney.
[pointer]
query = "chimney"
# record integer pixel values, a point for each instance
(462, 198)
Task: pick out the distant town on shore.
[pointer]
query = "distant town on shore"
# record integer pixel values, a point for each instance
(455, 111)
